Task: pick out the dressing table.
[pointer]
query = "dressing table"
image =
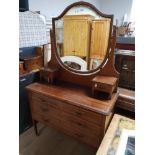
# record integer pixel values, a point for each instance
(64, 100)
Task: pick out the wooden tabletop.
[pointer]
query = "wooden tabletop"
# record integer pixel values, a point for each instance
(107, 140)
(76, 95)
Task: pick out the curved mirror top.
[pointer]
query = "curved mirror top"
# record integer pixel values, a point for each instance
(82, 38)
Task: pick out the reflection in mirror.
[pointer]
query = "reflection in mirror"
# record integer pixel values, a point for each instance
(82, 38)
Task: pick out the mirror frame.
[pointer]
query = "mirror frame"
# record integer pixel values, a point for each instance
(54, 52)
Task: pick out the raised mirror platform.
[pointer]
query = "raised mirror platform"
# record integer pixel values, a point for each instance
(82, 42)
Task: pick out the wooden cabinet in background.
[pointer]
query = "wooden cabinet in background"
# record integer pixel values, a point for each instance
(125, 65)
(125, 46)
(76, 35)
(126, 99)
(86, 37)
(99, 38)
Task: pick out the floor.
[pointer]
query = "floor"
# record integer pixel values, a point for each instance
(51, 142)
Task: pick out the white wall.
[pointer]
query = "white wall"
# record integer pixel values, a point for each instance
(117, 7)
(51, 8)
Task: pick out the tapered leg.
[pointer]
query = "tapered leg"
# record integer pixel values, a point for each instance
(35, 127)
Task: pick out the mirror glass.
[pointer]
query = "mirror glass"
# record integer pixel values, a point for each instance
(82, 38)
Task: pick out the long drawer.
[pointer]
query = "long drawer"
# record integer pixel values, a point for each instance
(82, 125)
(70, 129)
(45, 106)
(45, 99)
(83, 114)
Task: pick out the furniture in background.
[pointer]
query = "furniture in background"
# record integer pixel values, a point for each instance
(77, 42)
(32, 36)
(125, 46)
(111, 140)
(126, 99)
(91, 43)
(32, 59)
(99, 42)
(29, 73)
(25, 119)
(66, 102)
(125, 42)
(125, 65)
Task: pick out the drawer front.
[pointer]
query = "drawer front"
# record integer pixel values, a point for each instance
(82, 125)
(126, 105)
(45, 109)
(46, 119)
(104, 87)
(43, 105)
(88, 138)
(53, 103)
(82, 113)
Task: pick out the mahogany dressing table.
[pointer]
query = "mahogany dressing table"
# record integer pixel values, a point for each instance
(65, 102)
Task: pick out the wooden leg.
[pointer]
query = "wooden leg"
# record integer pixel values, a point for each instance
(35, 127)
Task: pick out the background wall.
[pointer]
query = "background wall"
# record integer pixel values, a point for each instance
(117, 7)
(51, 8)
